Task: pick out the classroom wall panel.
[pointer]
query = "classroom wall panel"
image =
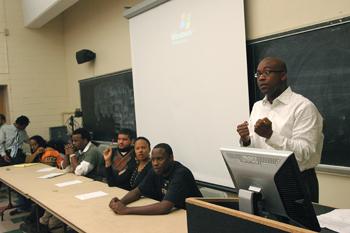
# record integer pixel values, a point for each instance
(101, 28)
(36, 76)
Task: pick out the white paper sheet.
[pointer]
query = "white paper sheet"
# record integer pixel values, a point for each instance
(336, 220)
(87, 196)
(51, 175)
(48, 169)
(67, 183)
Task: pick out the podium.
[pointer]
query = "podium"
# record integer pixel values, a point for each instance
(222, 216)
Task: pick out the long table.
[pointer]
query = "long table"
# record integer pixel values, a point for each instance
(92, 215)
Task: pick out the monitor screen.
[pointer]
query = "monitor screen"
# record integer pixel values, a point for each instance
(277, 175)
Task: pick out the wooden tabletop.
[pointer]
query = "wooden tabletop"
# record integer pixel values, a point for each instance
(92, 215)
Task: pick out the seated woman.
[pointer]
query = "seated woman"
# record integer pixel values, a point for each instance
(47, 153)
(135, 172)
(43, 153)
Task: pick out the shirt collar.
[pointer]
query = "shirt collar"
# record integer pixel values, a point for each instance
(86, 147)
(282, 98)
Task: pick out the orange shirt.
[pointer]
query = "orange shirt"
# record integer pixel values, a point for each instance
(51, 157)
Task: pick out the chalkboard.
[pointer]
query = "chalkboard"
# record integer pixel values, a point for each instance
(318, 62)
(107, 104)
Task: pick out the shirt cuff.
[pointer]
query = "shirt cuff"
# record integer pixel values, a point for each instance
(241, 142)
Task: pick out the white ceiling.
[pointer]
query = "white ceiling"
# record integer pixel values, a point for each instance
(37, 13)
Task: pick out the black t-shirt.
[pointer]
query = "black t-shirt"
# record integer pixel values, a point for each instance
(176, 187)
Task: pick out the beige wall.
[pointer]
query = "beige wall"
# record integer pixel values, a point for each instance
(102, 29)
(36, 76)
(267, 17)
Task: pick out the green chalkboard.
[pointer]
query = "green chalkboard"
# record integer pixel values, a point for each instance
(107, 104)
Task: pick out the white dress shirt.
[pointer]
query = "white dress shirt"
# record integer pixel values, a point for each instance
(8, 140)
(296, 125)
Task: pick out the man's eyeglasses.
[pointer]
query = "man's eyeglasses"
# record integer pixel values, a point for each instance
(267, 73)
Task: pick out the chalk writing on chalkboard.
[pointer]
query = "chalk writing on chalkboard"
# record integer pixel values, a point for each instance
(108, 104)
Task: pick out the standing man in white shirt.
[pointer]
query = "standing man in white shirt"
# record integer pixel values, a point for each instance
(285, 120)
(12, 138)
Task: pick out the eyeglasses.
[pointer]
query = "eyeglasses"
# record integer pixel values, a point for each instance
(267, 73)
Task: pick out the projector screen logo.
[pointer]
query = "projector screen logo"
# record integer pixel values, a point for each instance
(184, 31)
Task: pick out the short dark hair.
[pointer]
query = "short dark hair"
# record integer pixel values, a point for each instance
(40, 140)
(22, 120)
(128, 132)
(83, 132)
(145, 139)
(167, 149)
(2, 117)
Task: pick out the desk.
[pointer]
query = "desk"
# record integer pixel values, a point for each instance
(220, 215)
(91, 215)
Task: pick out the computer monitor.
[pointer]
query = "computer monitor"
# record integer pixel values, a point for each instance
(277, 176)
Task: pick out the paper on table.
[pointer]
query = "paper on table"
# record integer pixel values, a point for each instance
(47, 169)
(51, 175)
(87, 196)
(336, 220)
(67, 183)
(25, 164)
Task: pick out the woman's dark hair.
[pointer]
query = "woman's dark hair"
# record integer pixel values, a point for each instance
(145, 139)
(41, 142)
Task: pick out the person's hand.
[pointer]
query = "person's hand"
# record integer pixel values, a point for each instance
(114, 200)
(117, 206)
(68, 149)
(243, 131)
(263, 127)
(7, 158)
(40, 150)
(73, 159)
(107, 155)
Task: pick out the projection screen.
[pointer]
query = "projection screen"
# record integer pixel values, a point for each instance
(190, 80)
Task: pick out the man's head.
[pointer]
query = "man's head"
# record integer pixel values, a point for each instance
(162, 157)
(22, 122)
(124, 139)
(2, 119)
(80, 137)
(272, 77)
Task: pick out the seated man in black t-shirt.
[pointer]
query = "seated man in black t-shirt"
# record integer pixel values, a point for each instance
(168, 182)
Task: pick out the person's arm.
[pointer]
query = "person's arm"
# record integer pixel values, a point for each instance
(83, 168)
(25, 137)
(163, 207)
(37, 152)
(243, 131)
(73, 162)
(306, 134)
(119, 206)
(115, 178)
(131, 196)
(2, 142)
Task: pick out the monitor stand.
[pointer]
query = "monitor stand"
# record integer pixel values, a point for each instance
(250, 200)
